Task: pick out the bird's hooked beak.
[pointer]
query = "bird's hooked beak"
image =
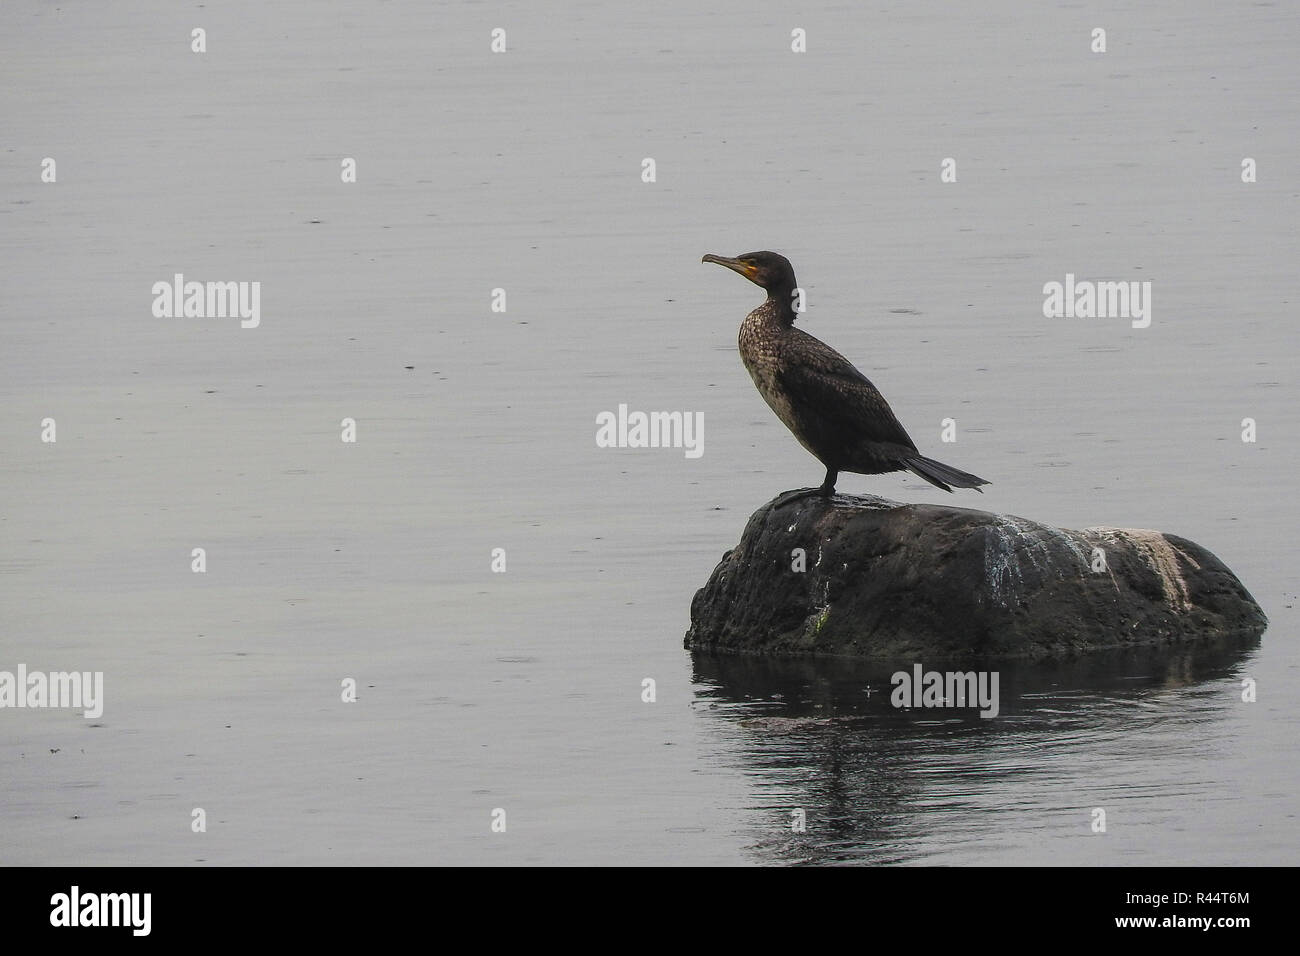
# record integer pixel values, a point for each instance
(735, 265)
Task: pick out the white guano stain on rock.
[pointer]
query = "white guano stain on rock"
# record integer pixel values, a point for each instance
(1001, 559)
(1013, 540)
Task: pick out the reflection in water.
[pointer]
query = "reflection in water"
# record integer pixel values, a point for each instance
(880, 784)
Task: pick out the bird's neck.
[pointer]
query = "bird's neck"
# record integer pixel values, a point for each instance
(780, 304)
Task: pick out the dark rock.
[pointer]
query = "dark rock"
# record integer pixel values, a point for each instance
(888, 580)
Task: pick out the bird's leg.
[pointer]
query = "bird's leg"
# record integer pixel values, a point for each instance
(825, 491)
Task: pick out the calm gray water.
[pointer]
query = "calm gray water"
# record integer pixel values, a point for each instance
(522, 171)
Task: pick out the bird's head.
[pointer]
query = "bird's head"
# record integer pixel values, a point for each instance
(770, 270)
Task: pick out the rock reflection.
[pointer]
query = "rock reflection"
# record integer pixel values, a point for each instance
(875, 781)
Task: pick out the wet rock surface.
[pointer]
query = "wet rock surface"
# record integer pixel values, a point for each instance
(868, 577)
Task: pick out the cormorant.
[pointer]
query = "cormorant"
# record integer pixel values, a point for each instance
(831, 407)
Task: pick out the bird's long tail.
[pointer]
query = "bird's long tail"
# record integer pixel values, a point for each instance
(937, 473)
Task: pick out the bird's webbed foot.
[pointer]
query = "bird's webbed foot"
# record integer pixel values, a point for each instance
(786, 497)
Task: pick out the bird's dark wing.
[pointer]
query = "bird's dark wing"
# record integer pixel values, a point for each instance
(832, 397)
